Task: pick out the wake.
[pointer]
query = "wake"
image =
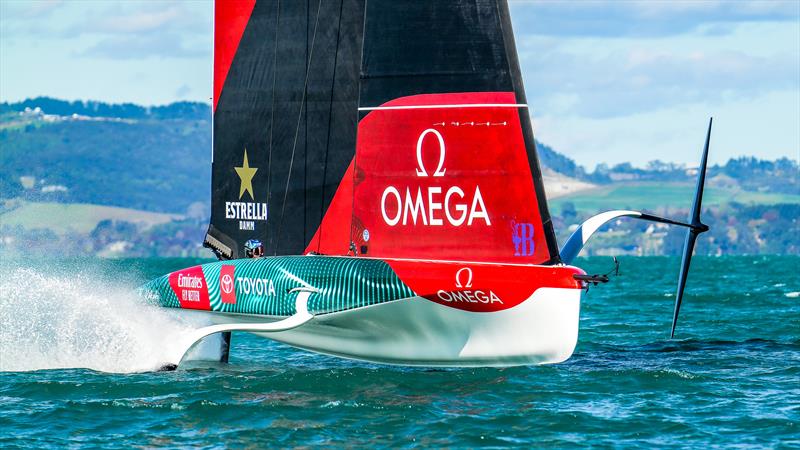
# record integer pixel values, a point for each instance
(83, 321)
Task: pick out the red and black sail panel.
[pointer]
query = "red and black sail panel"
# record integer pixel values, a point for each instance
(452, 183)
(285, 118)
(387, 128)
(231, 17)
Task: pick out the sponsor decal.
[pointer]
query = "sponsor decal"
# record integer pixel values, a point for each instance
(190, 281)
(477, 296)
(231, 286)
(522, 237)
(365, 235)
(255, 286)
(246, 213)
(190, 287)
(433, 205)
(459, 175)
(465, 294)
(481, 287)
(227, 289)
(468, 273)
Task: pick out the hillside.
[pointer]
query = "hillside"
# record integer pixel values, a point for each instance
(64, 218)
(652, 196)
(56, 107)
(133, 180)
(160, 165)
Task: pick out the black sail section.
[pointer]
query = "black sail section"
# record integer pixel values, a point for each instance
(418, 47)
(289, 105)
(433, 47)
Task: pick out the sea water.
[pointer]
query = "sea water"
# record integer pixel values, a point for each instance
(77, 349)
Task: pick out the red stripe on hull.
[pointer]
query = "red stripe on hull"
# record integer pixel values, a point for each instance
(481, 287)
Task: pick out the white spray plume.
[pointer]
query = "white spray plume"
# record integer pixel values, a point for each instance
(67, 321)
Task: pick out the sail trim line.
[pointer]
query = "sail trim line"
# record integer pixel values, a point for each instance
(467, 105)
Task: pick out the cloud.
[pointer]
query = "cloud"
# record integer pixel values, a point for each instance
(25, 18)
(80, 18)
(161, 45)
(134, 30)
(113, 30)
(147, 17)
(139, 18)
(644, 18)
(642, 80)
(23, 11)
(142, 21)
(183, 91)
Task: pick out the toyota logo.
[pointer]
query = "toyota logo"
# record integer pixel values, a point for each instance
(226, 283)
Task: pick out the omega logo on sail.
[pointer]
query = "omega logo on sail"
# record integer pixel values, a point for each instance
(428, 205)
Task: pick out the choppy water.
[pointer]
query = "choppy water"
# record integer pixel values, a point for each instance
(732, 378)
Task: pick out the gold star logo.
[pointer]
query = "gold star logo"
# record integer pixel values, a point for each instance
(246, 174)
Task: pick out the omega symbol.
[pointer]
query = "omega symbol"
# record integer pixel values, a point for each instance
(432, 206)
(468, 272)
(421, 172)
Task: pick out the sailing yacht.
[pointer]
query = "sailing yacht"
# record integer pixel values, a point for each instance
(382, 153)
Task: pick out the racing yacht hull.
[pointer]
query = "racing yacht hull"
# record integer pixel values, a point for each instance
(423, 313)
(417, 332)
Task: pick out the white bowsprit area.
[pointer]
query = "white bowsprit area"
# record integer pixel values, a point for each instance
(65, 321)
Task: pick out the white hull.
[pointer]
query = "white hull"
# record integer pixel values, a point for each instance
(541, 330)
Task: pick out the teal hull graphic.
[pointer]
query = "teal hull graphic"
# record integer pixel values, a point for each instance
(261, 286)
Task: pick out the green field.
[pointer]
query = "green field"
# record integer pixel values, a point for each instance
(652, 196)
(75, 217)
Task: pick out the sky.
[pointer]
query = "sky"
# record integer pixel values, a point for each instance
(607, 81)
